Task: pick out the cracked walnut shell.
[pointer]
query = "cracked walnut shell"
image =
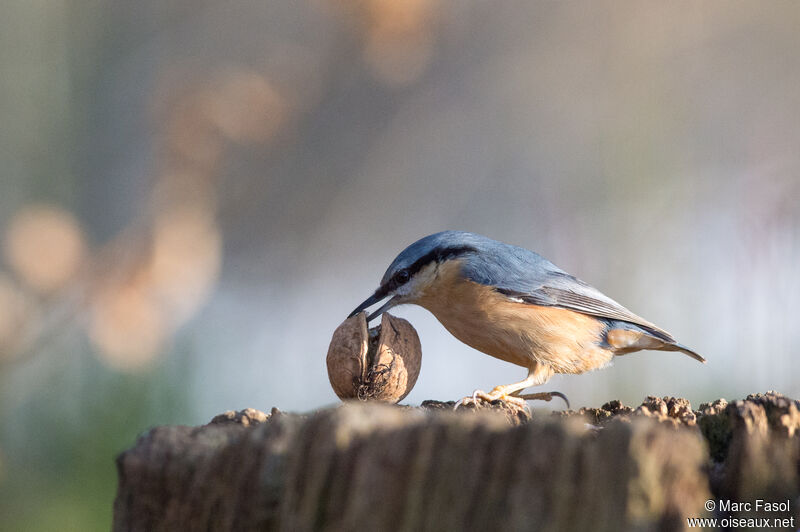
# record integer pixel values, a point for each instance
(381, 363)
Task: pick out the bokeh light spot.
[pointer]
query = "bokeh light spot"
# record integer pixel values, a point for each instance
(247, 108)
(44, 246)
(399, 40)
(185, 260)
(127, 326)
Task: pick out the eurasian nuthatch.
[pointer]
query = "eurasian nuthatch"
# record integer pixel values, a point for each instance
(517, 306)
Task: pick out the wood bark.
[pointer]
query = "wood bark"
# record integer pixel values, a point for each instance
(377, 467)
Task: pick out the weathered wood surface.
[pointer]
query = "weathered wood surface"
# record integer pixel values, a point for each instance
(377, 467)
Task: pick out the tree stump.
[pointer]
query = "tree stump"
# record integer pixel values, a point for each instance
(378, 467)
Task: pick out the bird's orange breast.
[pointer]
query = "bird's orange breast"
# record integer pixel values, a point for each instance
(516, 332)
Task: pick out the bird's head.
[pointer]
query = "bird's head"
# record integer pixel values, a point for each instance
(414, 272)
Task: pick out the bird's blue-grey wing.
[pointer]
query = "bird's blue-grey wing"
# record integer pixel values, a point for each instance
(530, 278)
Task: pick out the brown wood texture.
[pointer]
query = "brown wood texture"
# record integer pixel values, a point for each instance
(378, 467)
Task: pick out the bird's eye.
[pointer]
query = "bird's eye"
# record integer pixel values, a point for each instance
(401, 277)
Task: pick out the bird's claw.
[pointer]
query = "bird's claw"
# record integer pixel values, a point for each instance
(544, 396)
(519, 401)
(470, 399)
(495, 395)
(475, 395)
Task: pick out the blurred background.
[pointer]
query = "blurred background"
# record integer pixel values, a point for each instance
(193, 195)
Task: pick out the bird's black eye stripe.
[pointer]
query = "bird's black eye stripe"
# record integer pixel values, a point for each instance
(404, 275)
(438, 255)
(401, 277)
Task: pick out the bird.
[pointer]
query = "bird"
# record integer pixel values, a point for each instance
(513, 304)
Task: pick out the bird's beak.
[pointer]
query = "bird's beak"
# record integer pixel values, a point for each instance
(379, 295)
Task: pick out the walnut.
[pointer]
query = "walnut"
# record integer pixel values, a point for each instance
(380, 364)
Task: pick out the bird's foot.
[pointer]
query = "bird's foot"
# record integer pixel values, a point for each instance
(543, 396)
(516, 400)
(497, 394)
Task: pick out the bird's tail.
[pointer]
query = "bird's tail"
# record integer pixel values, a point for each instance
(683, 349)
(627, 339)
